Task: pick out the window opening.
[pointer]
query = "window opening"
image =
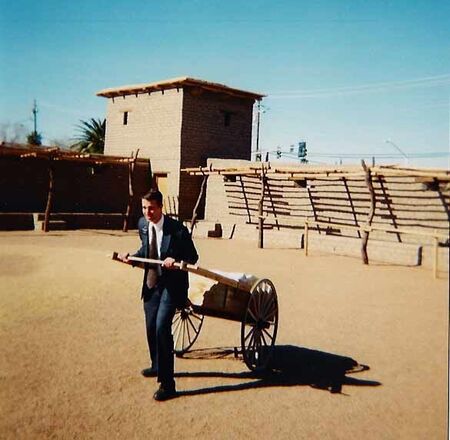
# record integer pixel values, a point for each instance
(226, 119)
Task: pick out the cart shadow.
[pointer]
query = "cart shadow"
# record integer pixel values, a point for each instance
(290, 366)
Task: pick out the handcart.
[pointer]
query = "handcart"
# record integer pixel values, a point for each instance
(236, 297)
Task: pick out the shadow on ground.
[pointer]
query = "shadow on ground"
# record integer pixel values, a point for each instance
(290, 366)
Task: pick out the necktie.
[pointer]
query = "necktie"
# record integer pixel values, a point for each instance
(152, 274)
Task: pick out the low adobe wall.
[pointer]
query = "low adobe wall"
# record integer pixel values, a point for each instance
(79, 188)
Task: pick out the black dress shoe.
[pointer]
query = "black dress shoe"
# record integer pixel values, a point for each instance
(164, 394)
(149, 372)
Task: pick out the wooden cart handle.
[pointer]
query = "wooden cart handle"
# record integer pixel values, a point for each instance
(182, 265)
(186, 267)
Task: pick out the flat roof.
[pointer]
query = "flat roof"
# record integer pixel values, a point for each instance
(25, 151)
(177, 83)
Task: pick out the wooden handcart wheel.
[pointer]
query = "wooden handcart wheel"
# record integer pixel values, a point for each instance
(260, 325)
(186, 326)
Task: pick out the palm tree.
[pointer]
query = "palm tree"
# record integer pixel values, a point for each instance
(91, 138)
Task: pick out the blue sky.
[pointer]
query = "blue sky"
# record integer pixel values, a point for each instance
(344, 76)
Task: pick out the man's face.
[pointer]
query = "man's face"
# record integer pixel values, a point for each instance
(152, 210)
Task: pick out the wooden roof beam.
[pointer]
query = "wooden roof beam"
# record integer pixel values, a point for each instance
(322, 176)
(308, 169)
(410, 173)
(399, 167)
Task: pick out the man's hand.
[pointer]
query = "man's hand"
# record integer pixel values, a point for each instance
(124, 257)
(168, 263)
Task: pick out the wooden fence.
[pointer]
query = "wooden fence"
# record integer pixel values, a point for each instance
(346, 201)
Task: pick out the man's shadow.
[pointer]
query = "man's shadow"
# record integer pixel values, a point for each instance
(290, 366)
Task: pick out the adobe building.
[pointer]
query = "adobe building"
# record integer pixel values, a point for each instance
(179, 123)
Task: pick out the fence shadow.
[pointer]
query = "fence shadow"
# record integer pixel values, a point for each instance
(290, 366)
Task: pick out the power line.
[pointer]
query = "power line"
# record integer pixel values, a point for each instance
(430, 154)
(424, 82)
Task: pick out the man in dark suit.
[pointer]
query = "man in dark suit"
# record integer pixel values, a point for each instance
(164, 288)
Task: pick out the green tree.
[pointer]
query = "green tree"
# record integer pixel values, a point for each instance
(34, 138)
(91, 137)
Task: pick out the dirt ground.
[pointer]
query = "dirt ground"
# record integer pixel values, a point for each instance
(72, 346)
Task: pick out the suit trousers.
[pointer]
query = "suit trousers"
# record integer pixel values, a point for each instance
(159, 311)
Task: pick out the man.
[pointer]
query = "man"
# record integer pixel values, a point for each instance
(164, 288)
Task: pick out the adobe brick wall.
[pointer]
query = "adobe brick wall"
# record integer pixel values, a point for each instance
(206, 133)
(79, 187)
(154, 126)
(23, 184)
(216, 206)
(178, 129)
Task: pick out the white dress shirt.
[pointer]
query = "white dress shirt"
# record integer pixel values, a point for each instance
(159, 233)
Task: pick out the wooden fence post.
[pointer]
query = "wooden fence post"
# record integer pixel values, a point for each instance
(131, 165)
(202, 191)
(436, 257)
(306, 237)
(261, 210)
(48, 207)
(370, 215)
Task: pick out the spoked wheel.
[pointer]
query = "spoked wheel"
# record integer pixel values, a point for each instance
(259, 328)
(186, 325)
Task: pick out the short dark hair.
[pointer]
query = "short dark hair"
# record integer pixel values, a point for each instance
(154, 194)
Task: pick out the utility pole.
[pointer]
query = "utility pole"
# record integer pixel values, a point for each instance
(35, 112)
(258, 154)
(34, 138)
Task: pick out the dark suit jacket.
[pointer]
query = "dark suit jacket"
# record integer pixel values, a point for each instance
(176, 243)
